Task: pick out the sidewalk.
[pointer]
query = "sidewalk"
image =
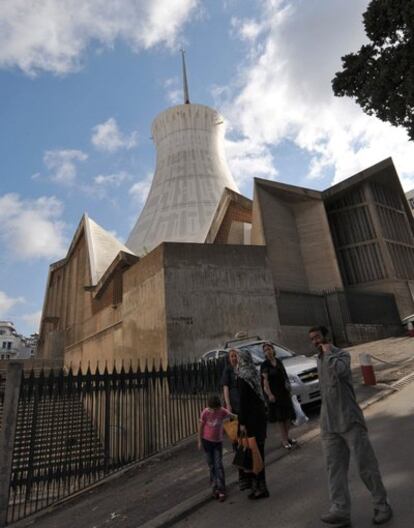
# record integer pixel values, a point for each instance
(299, 498)
(179, 476)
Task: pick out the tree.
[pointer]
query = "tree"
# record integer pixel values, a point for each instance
(381, 75)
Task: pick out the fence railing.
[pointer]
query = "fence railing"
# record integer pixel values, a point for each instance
(73, 429)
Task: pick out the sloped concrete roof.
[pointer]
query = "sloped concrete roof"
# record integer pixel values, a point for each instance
(103, 248)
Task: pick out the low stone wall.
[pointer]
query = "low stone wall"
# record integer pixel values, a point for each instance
(363, 333)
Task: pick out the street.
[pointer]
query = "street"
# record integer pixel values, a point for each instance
(164, 484)
(297, 483)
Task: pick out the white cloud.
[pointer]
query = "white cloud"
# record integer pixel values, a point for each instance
(62, 164)
(174, 91)
(246, 29)
(112, 180)
(284, 93)
(139, 191)
(32, 228)
(7, 303)
(248, 160)
(32, 320)
(107, 137)
(53, 35)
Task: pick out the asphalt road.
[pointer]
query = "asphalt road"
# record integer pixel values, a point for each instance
(297, 483)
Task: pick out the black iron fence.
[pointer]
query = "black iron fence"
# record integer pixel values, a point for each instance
(2, 383)
(73, 429)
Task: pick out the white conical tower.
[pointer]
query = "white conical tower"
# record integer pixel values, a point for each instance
(191, 174)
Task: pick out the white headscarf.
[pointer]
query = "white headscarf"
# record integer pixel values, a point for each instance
(247, 371)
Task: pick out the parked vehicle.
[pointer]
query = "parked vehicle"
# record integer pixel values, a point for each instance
(302, 370)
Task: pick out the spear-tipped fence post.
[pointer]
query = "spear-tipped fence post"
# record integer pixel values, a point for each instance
(7, 434)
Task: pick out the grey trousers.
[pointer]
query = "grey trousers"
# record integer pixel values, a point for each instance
(337, 447)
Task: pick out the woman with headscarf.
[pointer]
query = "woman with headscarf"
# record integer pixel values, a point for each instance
(252, 417)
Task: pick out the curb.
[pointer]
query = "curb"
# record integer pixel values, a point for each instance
(190, 505)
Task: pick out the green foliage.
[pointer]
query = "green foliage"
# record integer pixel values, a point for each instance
(381, 75)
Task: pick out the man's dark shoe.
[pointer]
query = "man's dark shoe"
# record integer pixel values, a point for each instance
(382, 516)
(336, 519)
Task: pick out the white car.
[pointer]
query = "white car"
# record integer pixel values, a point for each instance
(301, 370)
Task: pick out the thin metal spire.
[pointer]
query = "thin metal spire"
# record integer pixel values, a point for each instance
(185, 83)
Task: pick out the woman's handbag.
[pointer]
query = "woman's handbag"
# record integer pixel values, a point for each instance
(243, 457)
(258, 464)
(301, 417)
(248, 457)
(231, 428)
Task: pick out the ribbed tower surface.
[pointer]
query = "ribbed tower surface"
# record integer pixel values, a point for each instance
(191, 174)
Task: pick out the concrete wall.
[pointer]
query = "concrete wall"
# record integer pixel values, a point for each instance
(318, 252)
(143, 309)
(232, 225)
(212, 292)
(257, 234)
(68, 304)
(402, 290)
(358, 333)
(282, 240)
(85, 330)
(299, 244)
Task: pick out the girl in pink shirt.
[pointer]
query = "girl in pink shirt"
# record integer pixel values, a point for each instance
(210, 438)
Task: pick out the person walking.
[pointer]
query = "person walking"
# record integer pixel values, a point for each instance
(231, 397)
(210, 438)
(252, 417)
(230, 384)
(343, 430)
(277, 389)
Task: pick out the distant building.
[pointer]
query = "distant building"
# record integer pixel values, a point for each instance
(410, 198)
(31, 343)
(14, 345)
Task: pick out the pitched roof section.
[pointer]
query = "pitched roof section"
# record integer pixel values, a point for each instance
(228, 198)
(103, 248)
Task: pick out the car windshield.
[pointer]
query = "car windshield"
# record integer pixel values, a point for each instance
(256, 349)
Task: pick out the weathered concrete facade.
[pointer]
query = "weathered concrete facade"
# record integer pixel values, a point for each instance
(292, 223)
(410, 199)
(274, 266)
(212, 292)
(176, 302)
(191, 174)
(373, 233)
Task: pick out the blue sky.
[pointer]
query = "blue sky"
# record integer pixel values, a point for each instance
(82, 80)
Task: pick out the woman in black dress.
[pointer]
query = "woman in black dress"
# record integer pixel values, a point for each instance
(231, 396)
(277, 389)
(252, 416)
(230, 384)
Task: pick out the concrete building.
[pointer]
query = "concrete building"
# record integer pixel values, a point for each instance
(356, 237)
(204, 262)
(190, 176)
(271, 266)
(12, 344)
(410, 199)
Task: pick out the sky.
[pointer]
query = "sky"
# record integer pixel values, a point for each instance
(82, 80)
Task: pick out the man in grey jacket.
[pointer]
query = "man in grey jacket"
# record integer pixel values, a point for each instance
(343, 430)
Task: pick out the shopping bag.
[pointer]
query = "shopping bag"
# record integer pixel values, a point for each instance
(301, 417)
(231, 428)
(243, 457)
(258, 464)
